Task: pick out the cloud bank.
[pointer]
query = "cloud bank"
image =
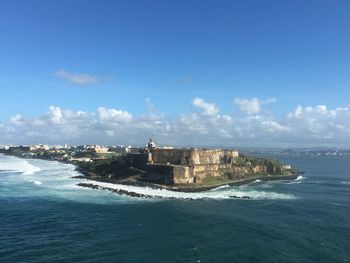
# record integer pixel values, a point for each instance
(303, 126)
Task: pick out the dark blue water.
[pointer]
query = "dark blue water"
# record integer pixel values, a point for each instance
(64, 224)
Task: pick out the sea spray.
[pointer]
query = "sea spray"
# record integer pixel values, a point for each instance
(13, 164)
(299, 178)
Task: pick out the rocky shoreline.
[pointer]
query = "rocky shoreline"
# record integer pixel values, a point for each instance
(116, 191)
(133, 181)
(138, 195)
(194, 189)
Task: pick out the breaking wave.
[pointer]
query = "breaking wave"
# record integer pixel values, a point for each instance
(223, 193)
(299, 178)
(36, 182)
(13, 164)
(220, 187)
(256, 181)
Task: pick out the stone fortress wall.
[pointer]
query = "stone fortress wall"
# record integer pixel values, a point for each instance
(192, 156)
(182, 166)
(191, 165)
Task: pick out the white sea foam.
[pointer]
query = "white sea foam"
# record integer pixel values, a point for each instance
(36, 182)
(226, 193)
(220, 187)
(345, 182)
(266, 185)
(299, 178)
(318, 182)
(13, 164)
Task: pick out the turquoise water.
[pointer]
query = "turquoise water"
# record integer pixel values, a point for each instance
(46, 218)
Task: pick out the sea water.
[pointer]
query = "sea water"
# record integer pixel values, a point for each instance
(46, 217)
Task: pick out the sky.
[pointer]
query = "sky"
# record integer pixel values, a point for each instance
(186, 73)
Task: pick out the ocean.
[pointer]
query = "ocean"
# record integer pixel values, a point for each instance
(45, 217)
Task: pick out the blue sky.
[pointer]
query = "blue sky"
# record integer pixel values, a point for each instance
(169, 53)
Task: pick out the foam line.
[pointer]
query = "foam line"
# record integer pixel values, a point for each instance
(225, 193)
(18, 165)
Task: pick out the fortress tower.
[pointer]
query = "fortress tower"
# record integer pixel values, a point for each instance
(150, 147)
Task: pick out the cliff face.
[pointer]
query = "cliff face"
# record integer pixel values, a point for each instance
(209, 157)
(195, 166)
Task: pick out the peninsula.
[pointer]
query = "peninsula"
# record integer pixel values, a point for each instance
(177, 169)
(188, 170)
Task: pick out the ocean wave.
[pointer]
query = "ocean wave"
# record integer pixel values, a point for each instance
(338, 204)
(220, 187)
(345, 182)
(36, 182)
(226, 193)
(266, 185)
(30, 169)
(256, 181)
(299, 178)
(12, 164)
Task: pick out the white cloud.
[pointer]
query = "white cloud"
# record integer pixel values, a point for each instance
(250, 106)
(113, 115)
(297, 112)
(253, 105)
(55, 114)
(16, 119)
(274, 127)
(305, 126)
(76, 78)
(320, 124)
(227, 118)
(318, 111)
(209, 109)
(149, 105)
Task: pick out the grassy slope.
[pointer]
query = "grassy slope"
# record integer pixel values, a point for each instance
(114, 168)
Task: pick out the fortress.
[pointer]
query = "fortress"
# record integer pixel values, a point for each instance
(182, 166)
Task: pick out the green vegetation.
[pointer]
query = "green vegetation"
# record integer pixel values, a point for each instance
(272, 166)
(229, 175)
(113, 168)
(260, 161)
(50, 155)
(13, 151)
(86, 154)
(211, 180)
(108, 155)
(240, 161)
